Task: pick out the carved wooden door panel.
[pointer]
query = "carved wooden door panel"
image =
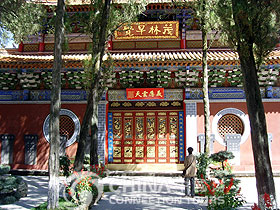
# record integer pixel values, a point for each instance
(145, 137)
(140, 140)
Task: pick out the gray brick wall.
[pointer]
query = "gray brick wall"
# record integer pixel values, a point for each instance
(191, 109)
(101, 130)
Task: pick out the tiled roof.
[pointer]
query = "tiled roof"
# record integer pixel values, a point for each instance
(39, 61)
(29, 71)
(174, 56)
(217, 57)
(80, 2)
(38, 57)
(54, 2)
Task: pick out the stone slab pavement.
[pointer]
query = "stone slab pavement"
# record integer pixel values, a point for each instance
(138, 192)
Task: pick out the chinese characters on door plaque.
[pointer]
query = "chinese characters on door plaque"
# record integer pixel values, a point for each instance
(144, 93)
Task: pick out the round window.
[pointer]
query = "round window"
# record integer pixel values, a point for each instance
(66, 126)
(69, 126)
(230, 121)
(230, 124)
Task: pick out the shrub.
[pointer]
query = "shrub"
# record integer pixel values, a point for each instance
(203, 162)
(83, 187)
(223, 190)
(224, 194)
(12, 188)
(65, 165)
(4, 169)
(9, 200)
(267, 203)
(222, 157)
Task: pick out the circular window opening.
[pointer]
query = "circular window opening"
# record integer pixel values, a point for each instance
(66, 126)
(230, 124)
(69, 125)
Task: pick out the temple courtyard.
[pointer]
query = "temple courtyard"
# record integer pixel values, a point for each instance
(138, 192)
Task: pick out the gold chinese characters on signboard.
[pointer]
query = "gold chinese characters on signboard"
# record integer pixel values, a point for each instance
(144, 93)
(149, 30)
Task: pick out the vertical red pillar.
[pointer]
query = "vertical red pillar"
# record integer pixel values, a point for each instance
(42, 43)
(183, 44)
(20, 47)
(41, 47)
(183, 41)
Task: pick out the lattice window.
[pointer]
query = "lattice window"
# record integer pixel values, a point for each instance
(69, 126)
(230, 124)
(66, 126)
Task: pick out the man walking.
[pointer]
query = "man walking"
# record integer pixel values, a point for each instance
(190, 167)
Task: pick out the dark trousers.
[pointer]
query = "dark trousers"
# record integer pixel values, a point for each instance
(189, 181)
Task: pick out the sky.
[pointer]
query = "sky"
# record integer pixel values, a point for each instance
(10, 42)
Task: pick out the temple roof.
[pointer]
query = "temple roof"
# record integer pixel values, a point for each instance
(124, 59)
(80, 2)
(162, 69)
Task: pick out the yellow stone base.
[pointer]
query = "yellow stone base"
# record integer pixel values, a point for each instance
(146, 167)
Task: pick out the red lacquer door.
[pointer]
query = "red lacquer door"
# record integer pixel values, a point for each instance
(145, 137)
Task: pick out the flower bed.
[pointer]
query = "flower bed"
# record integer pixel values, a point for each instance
(221, 188)
(82, 188)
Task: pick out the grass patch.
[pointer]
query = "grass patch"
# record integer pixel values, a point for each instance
(63, 205)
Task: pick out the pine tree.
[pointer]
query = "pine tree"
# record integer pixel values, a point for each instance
(204, 12)
(21, 18)
(54, 167)
(105, 18)
(251, 27)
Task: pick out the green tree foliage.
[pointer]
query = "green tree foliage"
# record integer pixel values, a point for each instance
(104, 19)
(203, 162)
(222, 156)
(204, 12)
(251, 27)
(260, 25)
(21, 18)
(3, 37)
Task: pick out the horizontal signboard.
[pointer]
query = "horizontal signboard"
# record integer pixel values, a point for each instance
(144, 93)
(149, 30)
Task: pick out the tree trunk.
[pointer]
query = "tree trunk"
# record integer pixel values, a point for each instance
(205, 81)
(97, 56)
(259, 138)
(94, 133)
(91, 101)
(53, 189)
(97, 88)
(80, 153)
(98, 93)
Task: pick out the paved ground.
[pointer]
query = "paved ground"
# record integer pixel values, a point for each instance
(138, 192)
(37, 193)
(164, 193)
